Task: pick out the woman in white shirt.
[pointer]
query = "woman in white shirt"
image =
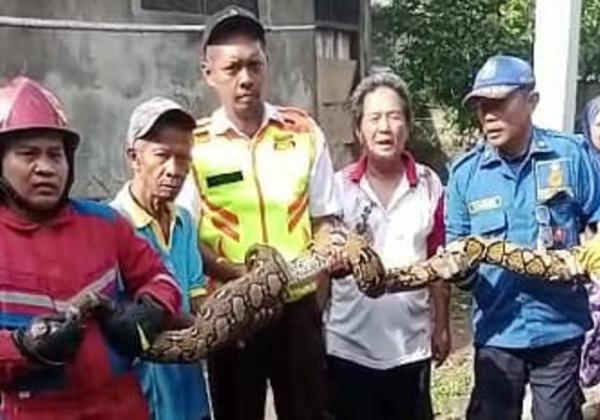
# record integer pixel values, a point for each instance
(380, 350)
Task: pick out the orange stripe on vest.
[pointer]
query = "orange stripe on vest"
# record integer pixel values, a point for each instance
(296, 218)
(225, 228)
(224, 213)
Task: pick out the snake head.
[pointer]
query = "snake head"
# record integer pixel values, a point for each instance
(258, 255)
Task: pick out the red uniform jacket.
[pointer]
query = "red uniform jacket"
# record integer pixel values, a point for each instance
(88, 246)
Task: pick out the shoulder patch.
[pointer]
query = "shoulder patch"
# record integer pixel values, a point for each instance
(203, 122)
(93, 208)
(572, 138)
(202, 130)
(295, 119)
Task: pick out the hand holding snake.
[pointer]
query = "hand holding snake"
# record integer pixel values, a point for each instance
(244, 305)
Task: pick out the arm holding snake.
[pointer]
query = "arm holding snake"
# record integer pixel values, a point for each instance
(563, 265)
(569, 265)
(245, 304)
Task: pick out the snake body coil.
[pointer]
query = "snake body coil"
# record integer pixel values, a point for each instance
(242, 306)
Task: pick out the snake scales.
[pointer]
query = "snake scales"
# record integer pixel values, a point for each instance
(577, 264)
(243, 305)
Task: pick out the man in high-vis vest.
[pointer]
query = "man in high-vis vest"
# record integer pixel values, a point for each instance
(261, 174)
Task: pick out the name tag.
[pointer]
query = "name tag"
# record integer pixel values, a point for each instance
(226, 178)
(488, 203)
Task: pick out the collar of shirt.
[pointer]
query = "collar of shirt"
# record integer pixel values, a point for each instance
(538, 146)
(17, 222)
(221, 124)
(409, 181)
(358, 169)
(140, 218)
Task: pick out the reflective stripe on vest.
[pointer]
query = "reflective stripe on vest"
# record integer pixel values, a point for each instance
(257, 191)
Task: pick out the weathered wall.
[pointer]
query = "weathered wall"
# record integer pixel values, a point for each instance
(335, 83)
(101, 76)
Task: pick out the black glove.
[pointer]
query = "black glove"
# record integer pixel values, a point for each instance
(131, 327)
(51, 340)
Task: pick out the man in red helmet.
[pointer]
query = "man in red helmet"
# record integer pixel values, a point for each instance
(53, 250)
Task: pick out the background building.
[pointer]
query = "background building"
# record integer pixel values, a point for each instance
(104, 57)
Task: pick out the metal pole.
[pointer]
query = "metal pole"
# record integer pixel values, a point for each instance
(555, 62)
(78, 25)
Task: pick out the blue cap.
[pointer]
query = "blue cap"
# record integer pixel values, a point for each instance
(499, 76)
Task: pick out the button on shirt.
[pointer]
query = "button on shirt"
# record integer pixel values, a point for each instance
(394, 329)
(172, 391)
(545, 202)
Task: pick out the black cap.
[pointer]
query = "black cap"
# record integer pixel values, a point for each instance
(229, 18)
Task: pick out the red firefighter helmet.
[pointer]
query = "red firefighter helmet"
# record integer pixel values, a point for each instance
(25, 105)
(28, 107)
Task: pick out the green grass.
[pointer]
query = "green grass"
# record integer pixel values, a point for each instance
(451, 383)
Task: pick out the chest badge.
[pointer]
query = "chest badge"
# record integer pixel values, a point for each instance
(555, 176)
(283, 142)
(552, 177)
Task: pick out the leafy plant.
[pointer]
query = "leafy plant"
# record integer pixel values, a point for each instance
(438, 45)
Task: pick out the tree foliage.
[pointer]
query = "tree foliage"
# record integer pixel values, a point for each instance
(438, 45)
(589, 42)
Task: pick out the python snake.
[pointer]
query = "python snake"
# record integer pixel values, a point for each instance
(242, 306)
(577, 264)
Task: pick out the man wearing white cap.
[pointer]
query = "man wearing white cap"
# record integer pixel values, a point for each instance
(159, 142)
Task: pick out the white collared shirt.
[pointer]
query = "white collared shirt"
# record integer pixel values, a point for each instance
(323, 197)
(394, 329)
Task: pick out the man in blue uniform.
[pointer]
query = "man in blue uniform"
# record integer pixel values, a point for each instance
(536, 188)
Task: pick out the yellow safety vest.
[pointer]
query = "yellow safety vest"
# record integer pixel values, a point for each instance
(259, 200)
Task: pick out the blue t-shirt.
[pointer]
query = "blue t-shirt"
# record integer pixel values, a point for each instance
(544, 202)
(177, 391)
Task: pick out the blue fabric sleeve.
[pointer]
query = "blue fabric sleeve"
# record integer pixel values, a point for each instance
(457, 215)
(196, 281)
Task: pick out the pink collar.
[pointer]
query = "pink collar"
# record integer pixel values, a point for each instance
(357, 169)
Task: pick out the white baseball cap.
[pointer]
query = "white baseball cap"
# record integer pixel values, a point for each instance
(146, 114)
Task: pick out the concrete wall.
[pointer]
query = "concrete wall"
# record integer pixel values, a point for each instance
(335, 84)
(101, 76)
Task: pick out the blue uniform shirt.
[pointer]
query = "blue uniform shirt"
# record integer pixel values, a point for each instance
(545, 201)
(178, 391)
